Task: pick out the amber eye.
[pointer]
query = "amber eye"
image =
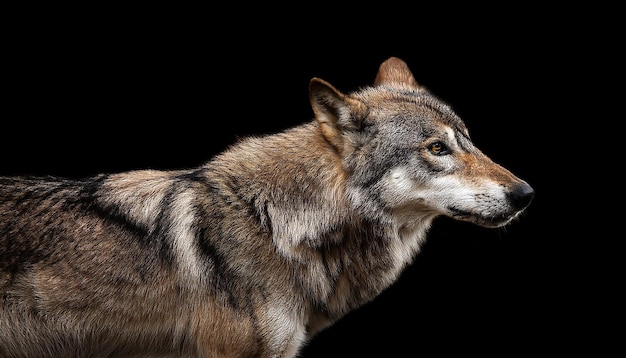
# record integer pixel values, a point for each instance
(438, 148)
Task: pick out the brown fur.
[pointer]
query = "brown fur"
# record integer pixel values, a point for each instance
(254, 252)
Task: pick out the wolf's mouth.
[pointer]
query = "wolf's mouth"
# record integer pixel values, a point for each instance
(478, 219)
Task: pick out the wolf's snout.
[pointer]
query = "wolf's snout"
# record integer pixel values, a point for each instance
(521, 196)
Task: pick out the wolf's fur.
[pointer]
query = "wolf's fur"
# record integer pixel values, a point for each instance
(254, 252)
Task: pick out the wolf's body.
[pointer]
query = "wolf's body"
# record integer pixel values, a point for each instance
(252, 253)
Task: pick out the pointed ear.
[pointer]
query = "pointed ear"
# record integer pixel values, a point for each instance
(395, 71)
(337, 114)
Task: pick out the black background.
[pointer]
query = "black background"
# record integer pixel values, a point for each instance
(90, 89)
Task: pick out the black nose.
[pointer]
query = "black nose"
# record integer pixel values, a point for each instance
(521, 196)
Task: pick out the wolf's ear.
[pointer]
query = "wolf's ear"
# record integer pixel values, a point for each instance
(337, 114)
(395, 71)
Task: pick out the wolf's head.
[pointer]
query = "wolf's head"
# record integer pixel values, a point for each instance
(407, 153)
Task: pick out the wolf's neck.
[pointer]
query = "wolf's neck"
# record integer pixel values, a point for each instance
(336, 279)
(347, 255)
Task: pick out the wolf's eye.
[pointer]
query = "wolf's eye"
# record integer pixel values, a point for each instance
(438, 148)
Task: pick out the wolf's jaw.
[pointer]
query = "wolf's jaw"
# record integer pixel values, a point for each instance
(491, 222)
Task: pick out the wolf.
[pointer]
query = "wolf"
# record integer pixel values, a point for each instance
(253, 252)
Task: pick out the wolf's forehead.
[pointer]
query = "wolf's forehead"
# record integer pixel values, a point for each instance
(411, 101)
(415, 108)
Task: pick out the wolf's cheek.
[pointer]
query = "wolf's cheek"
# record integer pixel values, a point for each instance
(401, 191)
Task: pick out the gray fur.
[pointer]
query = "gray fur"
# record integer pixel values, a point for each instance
(254, 252)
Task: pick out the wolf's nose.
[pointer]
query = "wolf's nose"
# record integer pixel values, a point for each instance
(521, 196)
